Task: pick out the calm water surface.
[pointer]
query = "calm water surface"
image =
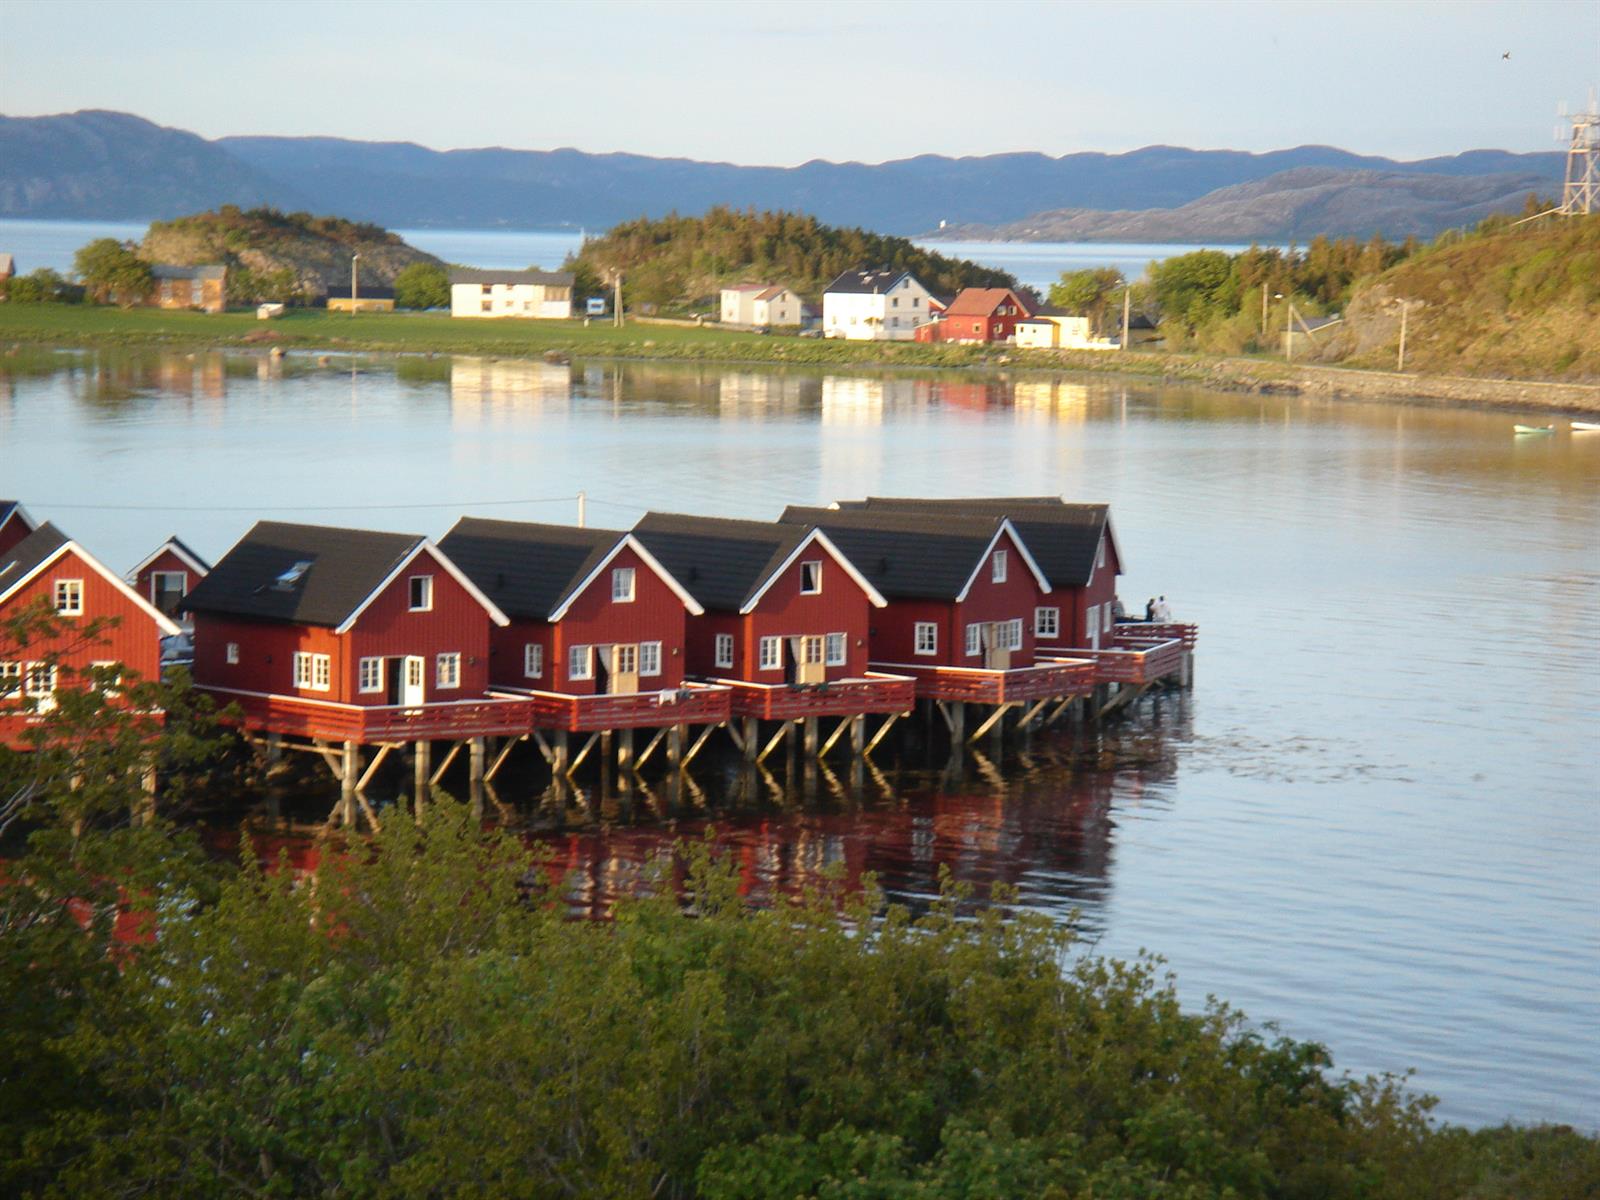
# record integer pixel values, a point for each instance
(1374, 820)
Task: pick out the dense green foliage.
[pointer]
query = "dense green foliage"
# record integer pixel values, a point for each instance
(1089, 293)
(41, 286)
(683, 261)
(244, 229)
(422, 285)
(110, 270)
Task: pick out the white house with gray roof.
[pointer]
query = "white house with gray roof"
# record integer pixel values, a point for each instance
(877, 306)
(537, 294)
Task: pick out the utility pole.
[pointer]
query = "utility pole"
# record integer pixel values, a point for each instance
(1288, 331)
(616, 297)
(583, 499)
(353, 259)
(1127, 292)
(1405, 309)
(1263, 308)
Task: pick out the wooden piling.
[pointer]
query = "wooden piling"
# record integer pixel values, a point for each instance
(475, 751)
(349, 772)
(421, 766)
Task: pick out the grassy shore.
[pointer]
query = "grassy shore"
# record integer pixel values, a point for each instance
(308, 329)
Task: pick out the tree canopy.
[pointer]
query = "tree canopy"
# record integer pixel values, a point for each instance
(110, 270)
(422, 285)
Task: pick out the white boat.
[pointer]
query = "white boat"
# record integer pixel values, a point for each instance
(1586, 427)
(1524, 429)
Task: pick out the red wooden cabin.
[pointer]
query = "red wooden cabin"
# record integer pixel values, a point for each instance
(348, 634)
(48, 569)
(980, 315)
(168, 574)
(598, 627)
(786, 615)
(15, 524)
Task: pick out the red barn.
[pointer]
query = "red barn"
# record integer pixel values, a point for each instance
(49, 570)
(168, 574)
(15, 524)
(593, 616)
(982, 315)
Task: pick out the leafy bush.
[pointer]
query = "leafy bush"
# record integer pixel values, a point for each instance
(422, 285)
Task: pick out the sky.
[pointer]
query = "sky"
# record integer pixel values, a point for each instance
(781, 83)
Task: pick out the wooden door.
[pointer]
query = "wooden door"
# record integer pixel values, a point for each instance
(996, 655)
(413, 692)
(809, 664)
(624, 670)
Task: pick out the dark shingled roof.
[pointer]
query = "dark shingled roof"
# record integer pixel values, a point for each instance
(1061, 537)
(474, 275)
(347, 565)
(29, 553)
(527, 569)
(364, 291)
(905, 555)
(7, 507)
(170, 271)
(867, 282)
(723, 562)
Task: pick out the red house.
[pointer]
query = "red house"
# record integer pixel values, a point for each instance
(15, 524)
(786, 615)
(598, 627)
(979, 315)
(349, 634)
(48, 570)
(166, 576)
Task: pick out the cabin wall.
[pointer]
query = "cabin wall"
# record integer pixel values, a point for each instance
(266, 656)
(166, 561)
(655, 614)
(135, 642)
(507, 660)
(892, 636)
(1015, 599)
(12, 530)
(840, 607)
(457, 624)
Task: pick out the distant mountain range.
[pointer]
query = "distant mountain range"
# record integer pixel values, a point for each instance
(107, 166)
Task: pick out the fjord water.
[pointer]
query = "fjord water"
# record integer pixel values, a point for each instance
(1373, 821)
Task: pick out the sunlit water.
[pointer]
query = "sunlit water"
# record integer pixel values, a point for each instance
(1374, 820)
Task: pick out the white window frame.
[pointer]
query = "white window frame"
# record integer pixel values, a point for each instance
(649, 658)
(974, 640)
(838, 652)
(157, 576)
(580, 662)
(312, 672)
(447, 670)
(771, 654)
(622, 585)
(39, 681)
(427, 593)
(1090, 622)
(230, 654)
(369, 675)
(533, 660)
(997, 567)
(69, 597)
(1047, 622)
(10, 679)
(925, 638)
(811, 571)
(1105, 617)
(723, 649)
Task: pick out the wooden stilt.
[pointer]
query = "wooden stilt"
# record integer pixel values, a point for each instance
(475, 749)
(582, 754)
(450, 757)
(784, 731)
(810, 727)
(350, 770)
(752, 732)
(562, 753)
(500, 759)
(993, 721)
(544, 747)
(625, 750)
(372, 767)
(705, 736)
(421, 757)
(650, 747)
(676, 736)
(1032, 715)
(833, 738)
(858, 734)
(883, 731)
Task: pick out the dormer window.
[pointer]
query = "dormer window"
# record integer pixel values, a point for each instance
(810, 578)
(622, 585)
(287, 579)
(997, 571)
(421, 588)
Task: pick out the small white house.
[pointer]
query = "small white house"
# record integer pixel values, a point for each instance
(1055, 330)
(761, 305)
(883, 305)
(538, 294)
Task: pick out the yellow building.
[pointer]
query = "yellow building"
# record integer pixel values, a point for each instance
(368, 299)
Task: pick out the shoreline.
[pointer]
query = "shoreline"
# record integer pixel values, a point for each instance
(312, 331)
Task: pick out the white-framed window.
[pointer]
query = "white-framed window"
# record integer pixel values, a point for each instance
(974, 640)
(724, 650)
(622, 585)
(771, 654)
(649, 658)
(69, 597)
(369, 675)
(580, 662)
(925, 638)
(838, 650)
(40, 681)
(533, 660)
(421, 593)
(1105, 617)
(1011, 634)
(230, 654)
(1100, 553)
(312, 671)
(107, 673)
(997, 570)
(10, 678)
(167, 588)
(447, 670)
(810, 578)
(1046, 622)
(1091, 621)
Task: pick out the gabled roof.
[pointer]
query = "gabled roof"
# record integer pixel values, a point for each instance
(537, 571)
(175, 544)
(730, 564)
(46, 544)
(13, 508)
(981, 302)
(172, 271)
(474, 275)
(364, 291)
(869, 282)
(1062, 537)
(916, 555)
(341, 571)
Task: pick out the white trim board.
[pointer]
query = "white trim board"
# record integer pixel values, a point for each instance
(1022, 548)
(822, 539)
(164, 622)
(426, 545)
(173, 545)
(627, 541)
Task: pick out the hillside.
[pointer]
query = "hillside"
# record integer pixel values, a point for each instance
(78, 165)
(1295, 204)
(683, 261)
(1523, 303)
(315, 250)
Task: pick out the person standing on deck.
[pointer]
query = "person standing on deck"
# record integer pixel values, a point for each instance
(1150, 610)
(1118, 613)
(1163, 612)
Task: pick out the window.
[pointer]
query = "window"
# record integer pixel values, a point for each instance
(811, 651)
(231, 654)
(916, 302)
(925, 637)
(312, 671)
(837, 650)
(724, 649)
(69, 597)
(1105, 617)
(974, 640)
(1013, 634)
(622, 585)
(369, 675)
(447, 671)
(649, 658)
(107, 674)
(533, 660)
(421, 593)
(1046, 622)
(580, 662)
(997, 570)
(771, 653)
(810, 578)
(167, 588)
(40, 683)
(894, 302)
(1090, 622)
(10, 678)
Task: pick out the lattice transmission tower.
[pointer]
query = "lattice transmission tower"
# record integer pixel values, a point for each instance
(1581, 191)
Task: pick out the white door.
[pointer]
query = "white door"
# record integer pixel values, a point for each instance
(624, 670)
(808, 660)
(412, 692)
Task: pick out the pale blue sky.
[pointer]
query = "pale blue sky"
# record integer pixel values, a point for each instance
(759, 82)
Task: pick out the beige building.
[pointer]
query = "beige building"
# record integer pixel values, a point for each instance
(1054, 330)
(203, 287)
(367, 299)
(761, 305)
(543, 295)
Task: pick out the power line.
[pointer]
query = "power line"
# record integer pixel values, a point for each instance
(246, 508)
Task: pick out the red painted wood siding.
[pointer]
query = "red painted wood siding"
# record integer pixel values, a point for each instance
(165, 561)
(266, 655)
(1075, 602)
(12, 531)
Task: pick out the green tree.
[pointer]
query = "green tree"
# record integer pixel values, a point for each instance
(110, 270)
(41, 286)
(1088, 293)
(1193, 288)
(422, 285)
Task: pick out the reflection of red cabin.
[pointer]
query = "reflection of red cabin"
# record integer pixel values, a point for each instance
(341, 617)
(980, 315)
(15, 524)
(168, 574)
(47, 569)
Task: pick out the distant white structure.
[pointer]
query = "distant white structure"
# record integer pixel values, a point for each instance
(762, 305)
(539, 294)
(1052, 329)
(882, 305)
(265, 312)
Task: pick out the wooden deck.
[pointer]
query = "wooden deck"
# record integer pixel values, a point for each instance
(692, 704)
(1136, 660)
(1159, 631)
(300, 717)
(974, 685)
(876, 693)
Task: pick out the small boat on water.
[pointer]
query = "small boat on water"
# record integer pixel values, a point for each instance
(1522, 429)
(1586, 427)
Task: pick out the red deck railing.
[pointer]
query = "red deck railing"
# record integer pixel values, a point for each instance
(1136, 660)
(692, 704)
(334, 721)
(877, 693)
(977, 685)
(1156, 631)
